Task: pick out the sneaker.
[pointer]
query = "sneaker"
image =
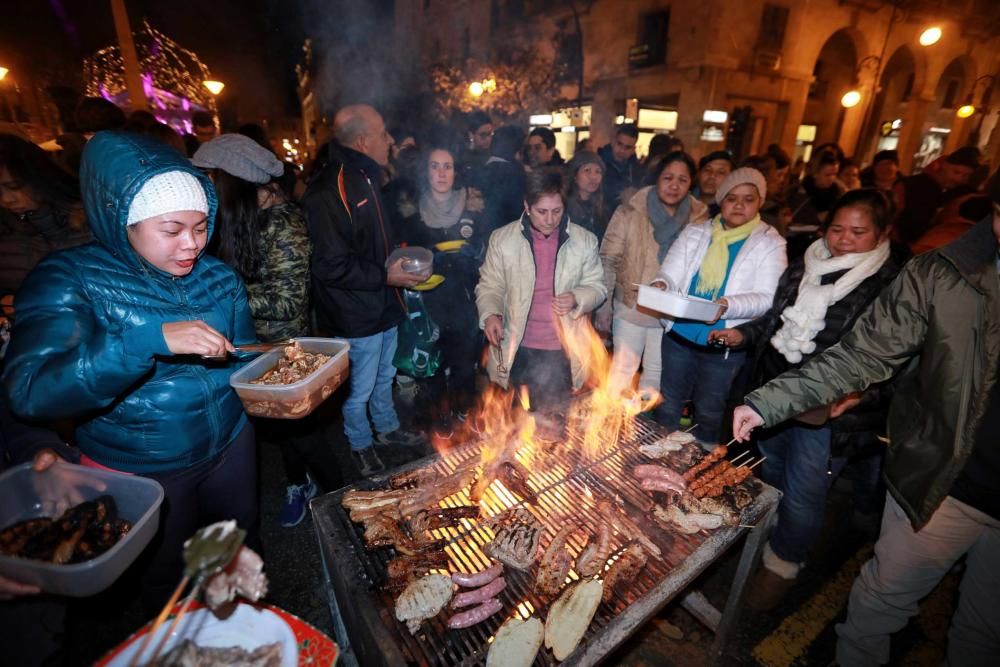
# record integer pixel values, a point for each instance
(297, 503)
(399, 438)
(367, 461)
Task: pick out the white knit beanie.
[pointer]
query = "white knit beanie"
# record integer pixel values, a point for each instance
(742, 176)
(166, 193)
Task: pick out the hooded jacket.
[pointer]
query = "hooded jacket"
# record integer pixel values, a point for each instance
(937, 327)
(88, 342)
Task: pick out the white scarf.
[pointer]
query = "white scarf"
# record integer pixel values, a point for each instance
(807, 316)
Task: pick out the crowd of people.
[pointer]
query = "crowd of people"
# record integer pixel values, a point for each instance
(133, 263)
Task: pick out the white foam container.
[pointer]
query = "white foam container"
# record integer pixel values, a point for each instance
(677, 305)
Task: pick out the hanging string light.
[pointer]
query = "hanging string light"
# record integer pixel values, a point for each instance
(172, 75)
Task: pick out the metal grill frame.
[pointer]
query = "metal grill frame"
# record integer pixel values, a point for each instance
(368, 633)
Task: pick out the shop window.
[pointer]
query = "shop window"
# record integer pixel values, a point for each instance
(773, 23)
(651, 48)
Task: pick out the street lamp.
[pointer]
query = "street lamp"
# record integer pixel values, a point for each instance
(476, 89)
(850, 99)
(969, 108)
(214, 87)
(3, 73)
(930, 36)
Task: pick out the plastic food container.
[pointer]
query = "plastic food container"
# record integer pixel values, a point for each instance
(416, 260)
(677, 305)
(296, 400)
(26, 494)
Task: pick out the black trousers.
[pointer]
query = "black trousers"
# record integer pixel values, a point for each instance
(221, 488)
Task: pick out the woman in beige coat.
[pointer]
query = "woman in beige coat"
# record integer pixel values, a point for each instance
(541, 274)
(639, 235)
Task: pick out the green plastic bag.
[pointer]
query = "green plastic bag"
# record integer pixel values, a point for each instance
(417, 352)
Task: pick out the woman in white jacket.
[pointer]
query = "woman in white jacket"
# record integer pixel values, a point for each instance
(735, 260)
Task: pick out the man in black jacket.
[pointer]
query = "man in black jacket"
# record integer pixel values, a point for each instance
(355, 293)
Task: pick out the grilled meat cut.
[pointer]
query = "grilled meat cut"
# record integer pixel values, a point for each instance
(188, 654)
(83, 532)
(555, 564)
(516, 542)
(596, 553)
(423, 599)
(625, 569)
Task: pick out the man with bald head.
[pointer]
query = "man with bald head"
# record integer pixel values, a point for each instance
(355, 294)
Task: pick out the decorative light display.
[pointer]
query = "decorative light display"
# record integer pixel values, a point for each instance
(173, 77)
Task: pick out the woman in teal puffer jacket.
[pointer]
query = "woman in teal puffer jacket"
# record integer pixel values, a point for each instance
(111, 334)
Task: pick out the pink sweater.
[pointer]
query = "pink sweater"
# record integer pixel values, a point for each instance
(540, 331)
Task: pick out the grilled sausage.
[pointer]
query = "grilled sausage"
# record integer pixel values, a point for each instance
(480, 578)
(647, 471)
(479, 595)
(475, 615)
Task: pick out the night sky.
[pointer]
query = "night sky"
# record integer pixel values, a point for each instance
(251, 45)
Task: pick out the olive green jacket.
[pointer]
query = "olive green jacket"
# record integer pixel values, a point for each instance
(938, 327)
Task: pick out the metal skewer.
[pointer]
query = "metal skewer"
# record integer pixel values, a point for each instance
(688, 430)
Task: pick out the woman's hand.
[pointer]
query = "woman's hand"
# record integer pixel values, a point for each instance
(843, 405)
(723, 307)
(659, 284)
(493, 328)
(563, 304)
(10, 589)
(730, 337)
(195, 337)
(44, 460)
(745, 420)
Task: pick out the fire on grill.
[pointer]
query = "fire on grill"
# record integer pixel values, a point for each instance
(517, 527)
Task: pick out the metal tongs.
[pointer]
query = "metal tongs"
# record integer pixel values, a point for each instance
(253, 348)
(207, 553)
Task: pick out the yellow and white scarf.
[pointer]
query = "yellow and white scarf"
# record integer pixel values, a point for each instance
(712, 272)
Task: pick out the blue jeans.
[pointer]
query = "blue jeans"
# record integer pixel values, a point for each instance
(696, 373)
(371, 388)
(799, 465)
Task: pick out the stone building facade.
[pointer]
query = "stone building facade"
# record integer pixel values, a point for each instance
(785, 64)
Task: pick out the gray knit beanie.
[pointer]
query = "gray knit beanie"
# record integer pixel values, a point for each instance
(239, 156)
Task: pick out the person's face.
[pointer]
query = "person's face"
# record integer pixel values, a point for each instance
(16, 196)
(673, 184)
(171, 242)
(204, 133)
(546, 213)
(825, 176)
(588, 178)
(852, 231)
(441, 172)
(850, 176)
(538, 152)
(776, 178)
(885, 170)
(482, 138)
(712, 175)
(954, 175)
(740, 205)
(377, 141)
(623, 147)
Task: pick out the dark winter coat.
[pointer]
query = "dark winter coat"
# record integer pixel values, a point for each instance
(352, 237)
(937, 327)
(618, 177)
(279, 298)
(88, 342)
(855, 433)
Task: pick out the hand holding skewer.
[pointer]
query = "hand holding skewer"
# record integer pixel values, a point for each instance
(745, 420)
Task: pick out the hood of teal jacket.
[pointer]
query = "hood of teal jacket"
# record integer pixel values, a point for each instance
(114, 167)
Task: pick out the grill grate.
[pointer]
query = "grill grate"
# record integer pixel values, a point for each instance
(566, 492)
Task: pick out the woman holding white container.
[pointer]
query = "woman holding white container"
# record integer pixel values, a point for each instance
(734, 260)
(636, 242)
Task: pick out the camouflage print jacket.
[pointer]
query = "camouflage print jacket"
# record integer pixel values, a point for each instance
(279, 300)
